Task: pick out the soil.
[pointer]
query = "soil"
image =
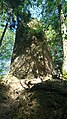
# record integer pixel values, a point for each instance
(26, 100)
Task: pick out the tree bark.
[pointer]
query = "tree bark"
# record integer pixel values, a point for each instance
(30, 55)
(64, 34)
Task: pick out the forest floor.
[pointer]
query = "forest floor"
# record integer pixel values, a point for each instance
(20, 99)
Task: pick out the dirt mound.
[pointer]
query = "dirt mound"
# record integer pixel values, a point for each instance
(43, 100)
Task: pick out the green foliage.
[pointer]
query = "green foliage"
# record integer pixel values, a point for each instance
(64, 75)
(6, 48)
(36, 28)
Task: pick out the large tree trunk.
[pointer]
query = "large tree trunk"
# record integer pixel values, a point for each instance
(31, 56)
(64, 36)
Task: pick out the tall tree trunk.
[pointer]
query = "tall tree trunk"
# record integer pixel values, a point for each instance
(64, 35)
(30, 55)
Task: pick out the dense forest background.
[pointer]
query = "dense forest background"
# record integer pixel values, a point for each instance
(43, 17)
(33, 59)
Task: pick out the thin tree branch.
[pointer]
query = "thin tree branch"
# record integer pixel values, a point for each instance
(3, 33)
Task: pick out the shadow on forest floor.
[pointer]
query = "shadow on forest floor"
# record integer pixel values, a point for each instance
(7, 105)
(46, 100)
